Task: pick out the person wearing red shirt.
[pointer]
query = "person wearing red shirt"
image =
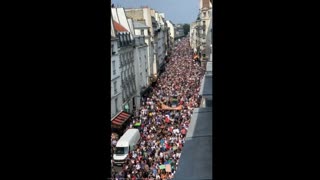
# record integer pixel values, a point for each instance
(134, 177)
(167, 119)
(168, 146)
(183, 131)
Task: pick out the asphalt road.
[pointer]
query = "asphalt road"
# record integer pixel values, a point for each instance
(117, 168)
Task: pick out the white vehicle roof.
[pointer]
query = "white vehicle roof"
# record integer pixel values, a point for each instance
(128, 135)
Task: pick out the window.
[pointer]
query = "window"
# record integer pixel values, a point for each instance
(122, 150)
(127, 58)
(118, 42)
(123, 59)
(129, 39)
(126, 92)
(204, 14)
(134, 86)
(112, 49)
(116, 104)
(122, 77)
(114, 67)
(125, 39)
(121, 40)
(115, 87)
(142, 32)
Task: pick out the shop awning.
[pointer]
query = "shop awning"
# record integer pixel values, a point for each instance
(120, 118)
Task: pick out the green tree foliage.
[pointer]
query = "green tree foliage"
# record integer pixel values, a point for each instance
(186, 28)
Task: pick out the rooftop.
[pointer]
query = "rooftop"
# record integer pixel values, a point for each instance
(196, 157)
(118, 27)
(209, 67)
(139, 25)
(206, 3)
(206, 86)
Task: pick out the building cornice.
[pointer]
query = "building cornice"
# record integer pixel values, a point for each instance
(117, 77)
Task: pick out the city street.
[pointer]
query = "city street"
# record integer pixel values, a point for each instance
(164, 116)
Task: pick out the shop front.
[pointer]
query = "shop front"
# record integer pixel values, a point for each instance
(120, 122)
(126, 108)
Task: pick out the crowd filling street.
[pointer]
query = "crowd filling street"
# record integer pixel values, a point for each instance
(163, 130)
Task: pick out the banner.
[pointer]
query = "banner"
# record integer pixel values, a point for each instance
(165, 107)
(168, 168)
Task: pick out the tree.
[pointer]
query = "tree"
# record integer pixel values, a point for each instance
(186, 28)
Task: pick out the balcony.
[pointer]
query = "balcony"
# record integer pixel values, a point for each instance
(132, 77)
(128, 79)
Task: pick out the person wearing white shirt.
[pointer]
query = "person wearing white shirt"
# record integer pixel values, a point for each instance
(176, 131)
(161, 155)
(114, 142)
(134, 155)
(138, 166)
(173, 139)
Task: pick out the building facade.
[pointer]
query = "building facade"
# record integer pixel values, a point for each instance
(141, 60)
(126, 56)
(144, 55)
(171, 33)
(205, 15)
(116, 90)
(193, 36)
(146, 15)
(161, 34)
(200, 29)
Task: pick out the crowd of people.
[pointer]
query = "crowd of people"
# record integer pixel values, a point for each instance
(163, 131)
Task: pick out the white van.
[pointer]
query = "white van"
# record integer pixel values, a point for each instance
(126, 143)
